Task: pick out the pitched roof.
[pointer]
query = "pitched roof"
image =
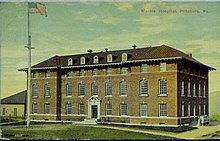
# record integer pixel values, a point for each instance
(19, 98)
(146, 53)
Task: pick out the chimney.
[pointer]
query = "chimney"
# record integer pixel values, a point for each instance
(90, 50)
(106, 49)
(134, 46)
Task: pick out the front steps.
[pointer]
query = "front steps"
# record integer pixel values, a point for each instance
(86, 122)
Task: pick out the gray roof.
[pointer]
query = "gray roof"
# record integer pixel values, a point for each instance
(19, 98)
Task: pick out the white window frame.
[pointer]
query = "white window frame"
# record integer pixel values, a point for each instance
(47, 73)
(123, 109)
(124, 70)
(81, 91)
(108, 88)
(81, 109)
(69, 89)
(199, 90)
(144, 68)
(183, 110)
(69, 108)
(123, 88)
(189, 89)
(124, 57)
(189, 109)
(95, 71)
(182, 88)
(143, 110)
(162, 87)
(47, 90)
(204, 90)
(46, 108)
(34, 108)
(34, 90)
(96, 59)
(95, 89)
(70, 61)
(144, 87)
(4, 111)
(194, 89)
(82, 60)
(109, 58)
(109, 71)
(163, 112)
(163, 67)
(108, 109)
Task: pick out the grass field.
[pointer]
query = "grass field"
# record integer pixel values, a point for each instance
(48, 132)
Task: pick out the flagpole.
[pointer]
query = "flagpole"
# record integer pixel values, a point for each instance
(29, 70)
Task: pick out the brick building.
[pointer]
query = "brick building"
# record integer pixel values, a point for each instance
(151, 85)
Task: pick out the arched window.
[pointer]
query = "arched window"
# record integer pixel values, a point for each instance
(94, 88)
(123, 88)
(95, 59)
(70, 61)
(124, 57)
(82, 60)
(109, 58)
(47, 90)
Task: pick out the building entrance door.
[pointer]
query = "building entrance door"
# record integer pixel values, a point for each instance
(94, 111)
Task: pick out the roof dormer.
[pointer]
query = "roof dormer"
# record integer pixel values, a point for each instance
(124, 57)
(70, 61)
(109, 58)
(96, 59)
(82, 60)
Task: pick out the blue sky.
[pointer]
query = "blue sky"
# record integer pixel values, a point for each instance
(75, 27)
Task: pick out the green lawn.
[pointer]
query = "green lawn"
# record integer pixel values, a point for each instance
(48, 132)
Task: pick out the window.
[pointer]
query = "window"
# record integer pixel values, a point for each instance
(182, 88)
(109, 58)
(123, 109)
(204, 90)
(194, 110)
(47, 108)
(199, 90)
(163, 109)
(15, 112)
(82, 60)
(69, 108)
(143, 87)
(34, 90)
(81, 72)
(183, 110)
(109, 71)
(200, 110)
(189, 90)
(108, 109)
(123, 88)
(69, 74)
(124, 57)
(108, 88)
(143, 67)
(124, 70)
(35, 74)
(163, 67)
(143, 109)
(194, 89)
(95, 59)
(34, 108)
(189, 110)
(94, 88)
(81, 89)
(81, 108)
(95, 71)
(4, 111)
(47, 74)
(70, 61)
(162, 87)
(204, 109)
(47, 90)
(69, 89)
